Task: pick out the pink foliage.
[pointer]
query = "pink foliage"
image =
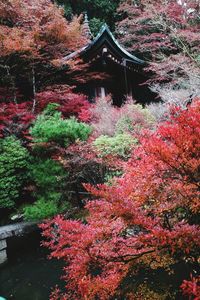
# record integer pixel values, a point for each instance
(138, 32)
(107, 119)
(104, 116)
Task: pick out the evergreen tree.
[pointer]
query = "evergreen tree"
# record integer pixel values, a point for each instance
(99, 11)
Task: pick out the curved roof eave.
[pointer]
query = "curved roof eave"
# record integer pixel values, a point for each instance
(74, 54)
(105, 28)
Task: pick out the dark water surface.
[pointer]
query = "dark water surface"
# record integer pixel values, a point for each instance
(28, 274)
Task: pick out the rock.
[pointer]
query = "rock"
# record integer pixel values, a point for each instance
(3, 245)
(3, 253)
(13, 230)
(17, 217)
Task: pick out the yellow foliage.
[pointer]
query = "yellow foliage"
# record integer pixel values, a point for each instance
(145, 293)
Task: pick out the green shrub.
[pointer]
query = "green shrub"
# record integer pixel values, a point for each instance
(14, 161)
(47, 174)
(50, 127)
(50, 178)
(44, 208)
(40, 210)
(120, 144)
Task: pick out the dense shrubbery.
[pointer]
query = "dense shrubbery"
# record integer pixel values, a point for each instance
(119, 144)
(48, 176)
(14, 161)
(41, 210)
(144, 223)
(134, 118)
(53, 159)
(108, 120)
(50, 127)
(15, 119)
(51, 135)
(45, 208)
(49, 180)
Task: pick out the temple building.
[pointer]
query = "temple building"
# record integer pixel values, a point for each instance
(125, 72)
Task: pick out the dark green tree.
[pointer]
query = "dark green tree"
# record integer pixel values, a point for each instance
(99, 11)
(49, 179)
(14, 161)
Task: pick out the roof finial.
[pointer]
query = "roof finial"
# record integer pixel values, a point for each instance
(86, 28)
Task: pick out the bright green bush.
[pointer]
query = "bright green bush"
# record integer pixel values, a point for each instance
(49, 176)
(120, 144)
(14, 161)
(40, 210)
(50, 127)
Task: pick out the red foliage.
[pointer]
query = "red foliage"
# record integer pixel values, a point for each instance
(34, 34)
(143, 221)
(139, 30)
(154, 28)
(71, 104)
(192, 287)
(15, 119)
(34, 26)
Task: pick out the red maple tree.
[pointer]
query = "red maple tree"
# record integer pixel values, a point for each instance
(145, 220)
(156, 28)
(33, 35)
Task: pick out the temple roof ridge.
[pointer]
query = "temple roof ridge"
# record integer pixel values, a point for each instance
(105, 36)
(105, 29)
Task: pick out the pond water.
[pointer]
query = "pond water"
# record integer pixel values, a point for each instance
(28, 274)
